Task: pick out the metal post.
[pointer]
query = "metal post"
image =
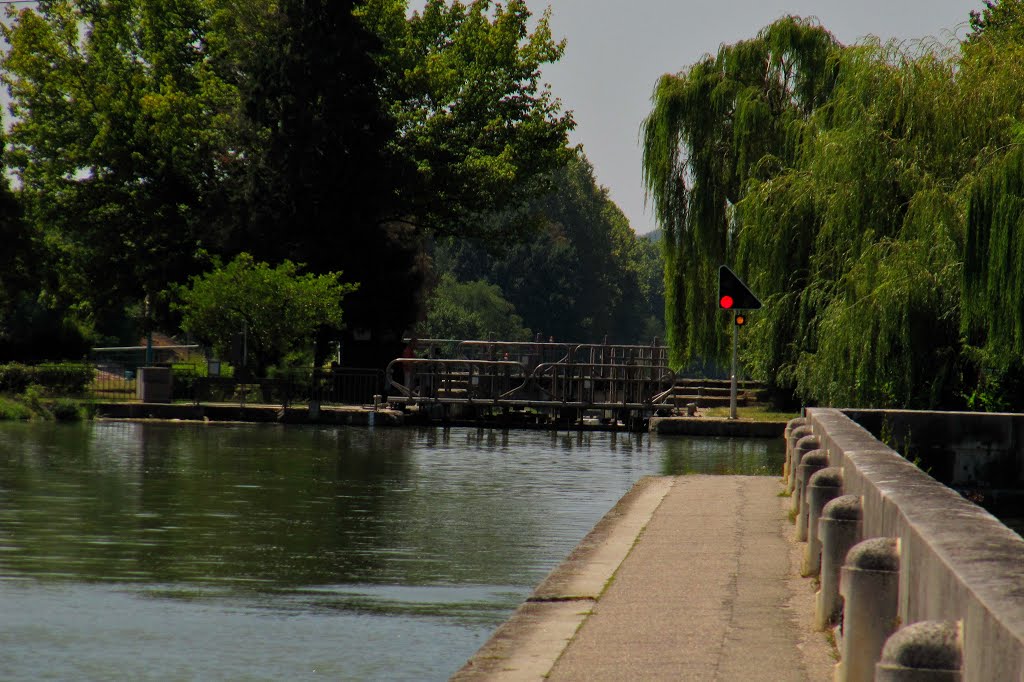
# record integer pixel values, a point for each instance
(732, 387)
(149, 335)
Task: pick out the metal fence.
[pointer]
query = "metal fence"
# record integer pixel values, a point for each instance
(191, 383)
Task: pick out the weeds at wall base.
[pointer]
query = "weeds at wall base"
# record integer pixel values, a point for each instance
(31, 405)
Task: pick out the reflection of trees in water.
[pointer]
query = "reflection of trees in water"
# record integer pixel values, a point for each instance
(282, 504)
(196, 502)
(722, 456)
(287, 506)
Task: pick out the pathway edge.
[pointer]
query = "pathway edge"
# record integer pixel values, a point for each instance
(529, 643)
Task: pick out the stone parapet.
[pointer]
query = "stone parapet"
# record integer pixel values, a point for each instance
(958, 562)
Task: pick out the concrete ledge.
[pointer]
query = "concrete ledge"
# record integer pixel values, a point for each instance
(339, 416)
(958, 562)
(527, 646)
(707, 426)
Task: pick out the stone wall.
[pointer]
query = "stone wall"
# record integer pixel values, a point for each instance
(957, 448)
(957, 561)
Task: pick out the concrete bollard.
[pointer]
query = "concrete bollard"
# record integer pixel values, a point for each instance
(791, 425)
(929, 651)
(870, 587)
(811, 463)
(802, 447)
(794, 437)
(839, 529)
(824, 486)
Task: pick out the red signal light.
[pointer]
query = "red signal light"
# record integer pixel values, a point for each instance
(733, 294)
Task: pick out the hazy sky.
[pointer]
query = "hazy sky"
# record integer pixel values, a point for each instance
(617, 50)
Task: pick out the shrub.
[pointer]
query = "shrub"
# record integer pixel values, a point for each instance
(65, 378)
(12, 409)
(65, 410)
(52, 378)
(15, 377)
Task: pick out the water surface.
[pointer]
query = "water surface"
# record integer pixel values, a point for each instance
(185, 551)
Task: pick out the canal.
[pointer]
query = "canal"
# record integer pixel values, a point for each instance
(189, 551)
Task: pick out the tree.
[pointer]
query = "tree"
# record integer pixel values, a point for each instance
(473, 120)
(118, 141)
(879, 225)
(579, 276)
(711, 128)
(470, 310)
(279, 309)
(1000, 20)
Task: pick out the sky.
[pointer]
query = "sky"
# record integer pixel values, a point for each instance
(616, 51)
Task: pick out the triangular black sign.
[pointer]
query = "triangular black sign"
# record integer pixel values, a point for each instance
(733, 294)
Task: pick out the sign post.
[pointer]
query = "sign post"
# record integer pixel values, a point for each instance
(734, 295)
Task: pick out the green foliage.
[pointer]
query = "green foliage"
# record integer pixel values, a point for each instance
(1000, 20)
(473, 118)
(13, 410)
(471, 310)
(15, 377)
(321, 182)
(67, 379)
(712, 127)
(33, 331)
(66, 410)
(64, 379)
(872, 196)
(149, 136)
(119, 133)
(583, 274)
(280, 309)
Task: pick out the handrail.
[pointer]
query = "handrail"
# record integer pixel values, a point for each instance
(667, 375)
(444, 362)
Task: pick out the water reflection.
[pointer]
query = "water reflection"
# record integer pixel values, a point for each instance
(352, 552)
(722, 456)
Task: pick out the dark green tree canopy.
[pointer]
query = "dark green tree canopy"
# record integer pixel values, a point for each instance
(473, 118)
(279, 309)
(1000, 20)
(874, 206)
(118, 139)
(581, 275)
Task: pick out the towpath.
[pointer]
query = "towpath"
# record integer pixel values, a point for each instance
(688, 578)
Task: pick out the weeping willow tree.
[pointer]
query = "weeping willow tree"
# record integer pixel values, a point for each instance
(712, 126)
(877, 210)
(896, 161)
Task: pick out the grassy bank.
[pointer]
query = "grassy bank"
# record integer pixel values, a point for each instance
(31, 405)
(756, 413)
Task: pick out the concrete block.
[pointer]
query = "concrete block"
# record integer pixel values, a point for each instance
(928, 651)
(823, 487)
(811, 463)
(794, 436)
(870, 588)
(791, 425)
(839, 530)
(802, 447)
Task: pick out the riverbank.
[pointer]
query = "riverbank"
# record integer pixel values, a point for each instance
(692, 577)
(352, 415)
(255, 414)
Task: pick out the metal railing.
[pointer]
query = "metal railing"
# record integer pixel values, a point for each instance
(335, 386)
(513, 382)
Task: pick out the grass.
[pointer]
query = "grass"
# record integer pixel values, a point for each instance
(757, 413)
(32, 406)
(12, 409)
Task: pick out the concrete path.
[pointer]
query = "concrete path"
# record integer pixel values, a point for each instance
(689, 578)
